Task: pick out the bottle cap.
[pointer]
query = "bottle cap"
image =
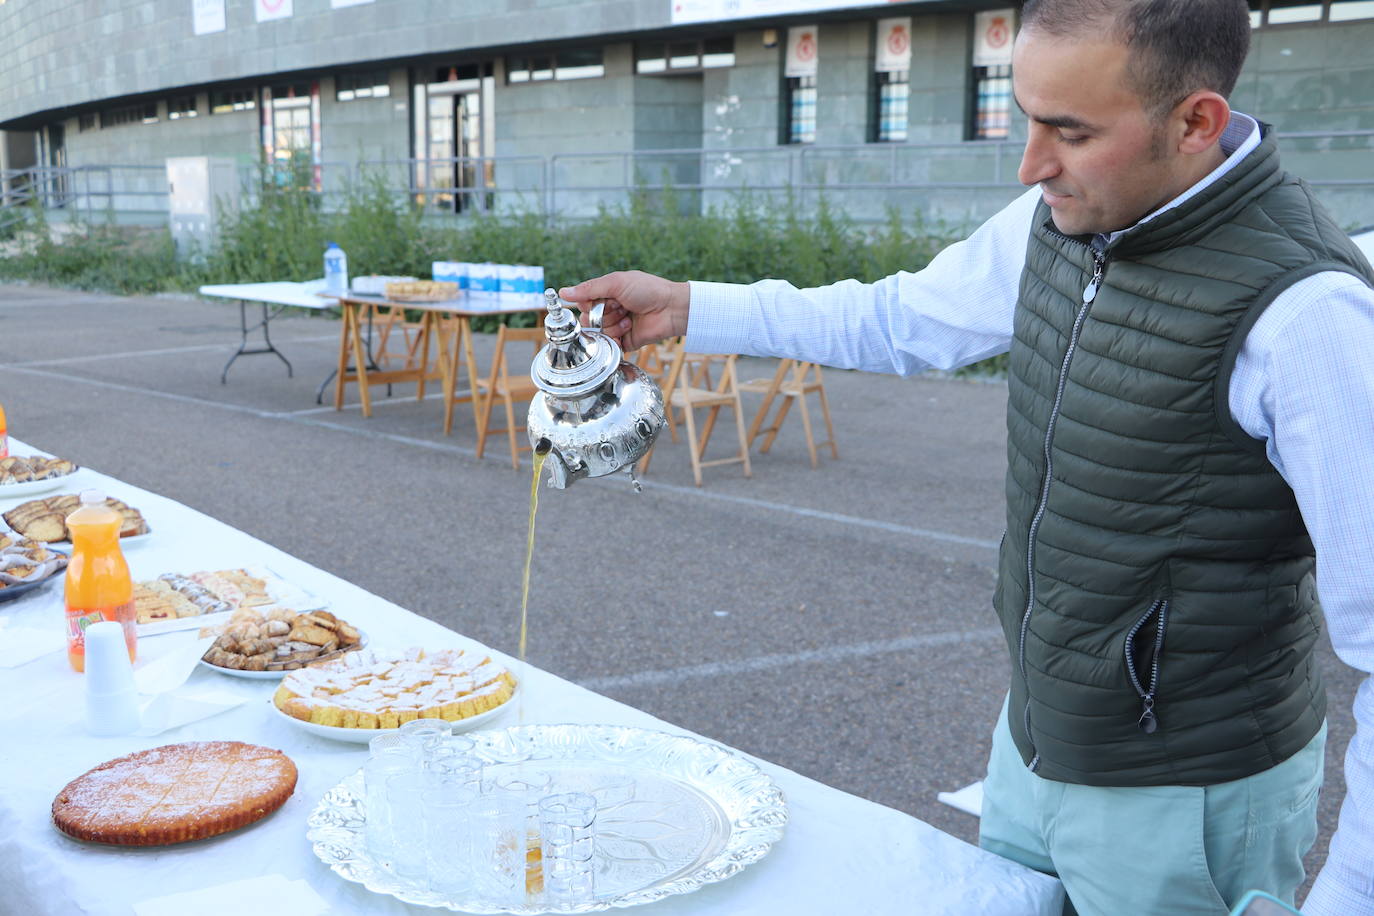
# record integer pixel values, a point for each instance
(92, 497)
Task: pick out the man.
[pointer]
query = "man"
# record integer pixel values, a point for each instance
(1188, 428)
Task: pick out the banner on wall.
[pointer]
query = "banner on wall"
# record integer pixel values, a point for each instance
(894, 45)
(207, 16)
(712, 10)
(267, 10)
(992, 35)
(803, 49)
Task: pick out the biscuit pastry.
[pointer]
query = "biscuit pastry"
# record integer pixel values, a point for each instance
(367, 689)
(278, 640)
(175, 793)
(46, 519)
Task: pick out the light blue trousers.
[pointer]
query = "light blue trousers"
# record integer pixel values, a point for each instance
(1168, 850)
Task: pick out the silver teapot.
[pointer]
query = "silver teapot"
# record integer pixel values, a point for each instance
(598, 413)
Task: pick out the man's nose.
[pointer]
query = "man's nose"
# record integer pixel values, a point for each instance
(1038, 162)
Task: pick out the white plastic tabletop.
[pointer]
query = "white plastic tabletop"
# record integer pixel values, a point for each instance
(281, 292)
(839, 854)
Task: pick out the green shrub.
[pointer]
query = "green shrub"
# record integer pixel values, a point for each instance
(283, 236)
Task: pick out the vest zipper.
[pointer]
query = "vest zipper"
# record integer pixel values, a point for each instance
(1089, 294)
(1148, 722)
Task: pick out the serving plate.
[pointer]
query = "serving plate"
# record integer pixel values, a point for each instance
(364, 735)
(10, 592)
(695, 813)
(32, 487)
(280, 673)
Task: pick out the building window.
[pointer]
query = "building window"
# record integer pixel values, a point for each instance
(223, 101)
(991, 103)
(86, 122)
(576, 64)
(890, 118)
(181, 106)
(373, 85)
(800, 102)
(1265, 13)
(679, 56)
(142, 113)
(291, 124)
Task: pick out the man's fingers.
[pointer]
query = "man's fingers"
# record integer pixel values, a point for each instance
(603, 287)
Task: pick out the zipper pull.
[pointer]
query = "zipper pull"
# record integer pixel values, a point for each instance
(1099, 265)
(1149, 722)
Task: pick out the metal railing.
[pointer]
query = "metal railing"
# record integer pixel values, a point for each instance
(959, 181)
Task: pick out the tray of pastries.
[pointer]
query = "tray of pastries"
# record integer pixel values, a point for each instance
(267, 644)
(24, 476)
(175, 793)
(183, 601)
(26, 564)
(362, 694)
(421, 290)
(46, 519)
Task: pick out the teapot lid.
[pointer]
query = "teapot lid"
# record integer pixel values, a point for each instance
(576, 360)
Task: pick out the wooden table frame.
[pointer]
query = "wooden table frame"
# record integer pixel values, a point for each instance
(453, 344)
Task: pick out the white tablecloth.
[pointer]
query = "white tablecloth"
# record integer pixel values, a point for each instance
(840, 854)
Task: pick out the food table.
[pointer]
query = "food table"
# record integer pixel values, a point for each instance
(274, 298)
(839, 853)
(460, 310)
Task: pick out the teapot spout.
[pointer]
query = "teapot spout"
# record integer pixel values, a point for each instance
(560, 473)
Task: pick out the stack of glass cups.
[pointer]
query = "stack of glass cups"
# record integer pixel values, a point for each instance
(567, 836)
(501, 835)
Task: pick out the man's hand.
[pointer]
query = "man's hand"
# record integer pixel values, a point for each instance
(640, 308)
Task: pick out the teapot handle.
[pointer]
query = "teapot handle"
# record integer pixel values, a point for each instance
(594, 319)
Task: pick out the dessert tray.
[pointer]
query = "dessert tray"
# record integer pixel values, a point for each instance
(20, 476)
(364, 735)
(674, 814)
(24, 568)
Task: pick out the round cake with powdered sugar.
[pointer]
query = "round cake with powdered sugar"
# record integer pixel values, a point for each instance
(175, 793)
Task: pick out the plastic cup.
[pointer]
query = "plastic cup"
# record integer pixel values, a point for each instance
(111, 698)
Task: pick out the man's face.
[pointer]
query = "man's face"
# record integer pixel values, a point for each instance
(1101, 162)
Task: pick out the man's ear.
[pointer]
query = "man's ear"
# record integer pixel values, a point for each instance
(1201, 117)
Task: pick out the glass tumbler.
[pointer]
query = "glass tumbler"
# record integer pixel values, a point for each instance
(498, 847)
(387, 760)
(405, 799)
(448, 837)
(567, 837)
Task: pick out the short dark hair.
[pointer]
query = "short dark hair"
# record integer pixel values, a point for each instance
(1176, 46)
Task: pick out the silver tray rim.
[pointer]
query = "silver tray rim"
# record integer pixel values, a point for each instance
(754, 805)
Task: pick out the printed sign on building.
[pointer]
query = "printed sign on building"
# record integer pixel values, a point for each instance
(894, 45)
(992, 35)
(268, 10)
(336, 4)
(802, 51)
(207, 16)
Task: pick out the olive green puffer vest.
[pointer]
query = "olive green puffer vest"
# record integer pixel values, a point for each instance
(1156, 582)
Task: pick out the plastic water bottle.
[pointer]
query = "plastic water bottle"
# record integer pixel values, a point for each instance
(335, 270)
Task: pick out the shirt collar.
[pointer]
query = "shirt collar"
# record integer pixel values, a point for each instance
(1238, 140)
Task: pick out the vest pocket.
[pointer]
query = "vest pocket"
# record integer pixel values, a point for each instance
(1144, 645)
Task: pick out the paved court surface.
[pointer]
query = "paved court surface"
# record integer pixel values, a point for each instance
(835, 621)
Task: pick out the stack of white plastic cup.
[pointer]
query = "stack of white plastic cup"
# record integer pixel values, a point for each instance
(111, 699)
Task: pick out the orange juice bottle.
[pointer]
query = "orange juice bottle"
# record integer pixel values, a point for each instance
(98, 584)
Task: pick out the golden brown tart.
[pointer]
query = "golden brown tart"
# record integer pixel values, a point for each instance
(175, 793)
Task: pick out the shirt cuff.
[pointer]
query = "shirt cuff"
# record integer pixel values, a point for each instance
(720, 317)
(1330, 897)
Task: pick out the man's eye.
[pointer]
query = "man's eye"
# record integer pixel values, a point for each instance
(1072, 141)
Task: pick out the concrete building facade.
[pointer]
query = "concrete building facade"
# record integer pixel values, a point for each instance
(562, 103)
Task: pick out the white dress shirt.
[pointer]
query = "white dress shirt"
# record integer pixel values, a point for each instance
(1299, 385)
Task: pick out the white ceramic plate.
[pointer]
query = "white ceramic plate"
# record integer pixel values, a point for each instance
(31, 487)
(277, 675)
(364, 735)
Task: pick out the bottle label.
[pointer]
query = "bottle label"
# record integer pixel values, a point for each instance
(4, 444)
(78, 619)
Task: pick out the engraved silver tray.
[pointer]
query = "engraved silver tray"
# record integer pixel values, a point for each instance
(697, 813)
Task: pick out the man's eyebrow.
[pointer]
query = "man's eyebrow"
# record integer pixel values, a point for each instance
(1065, 122)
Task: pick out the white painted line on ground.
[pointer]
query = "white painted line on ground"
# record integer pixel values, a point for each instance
(687, 492)
(833, 654)
(166, 351)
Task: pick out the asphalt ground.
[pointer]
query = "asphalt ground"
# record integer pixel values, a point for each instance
(836, 621)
